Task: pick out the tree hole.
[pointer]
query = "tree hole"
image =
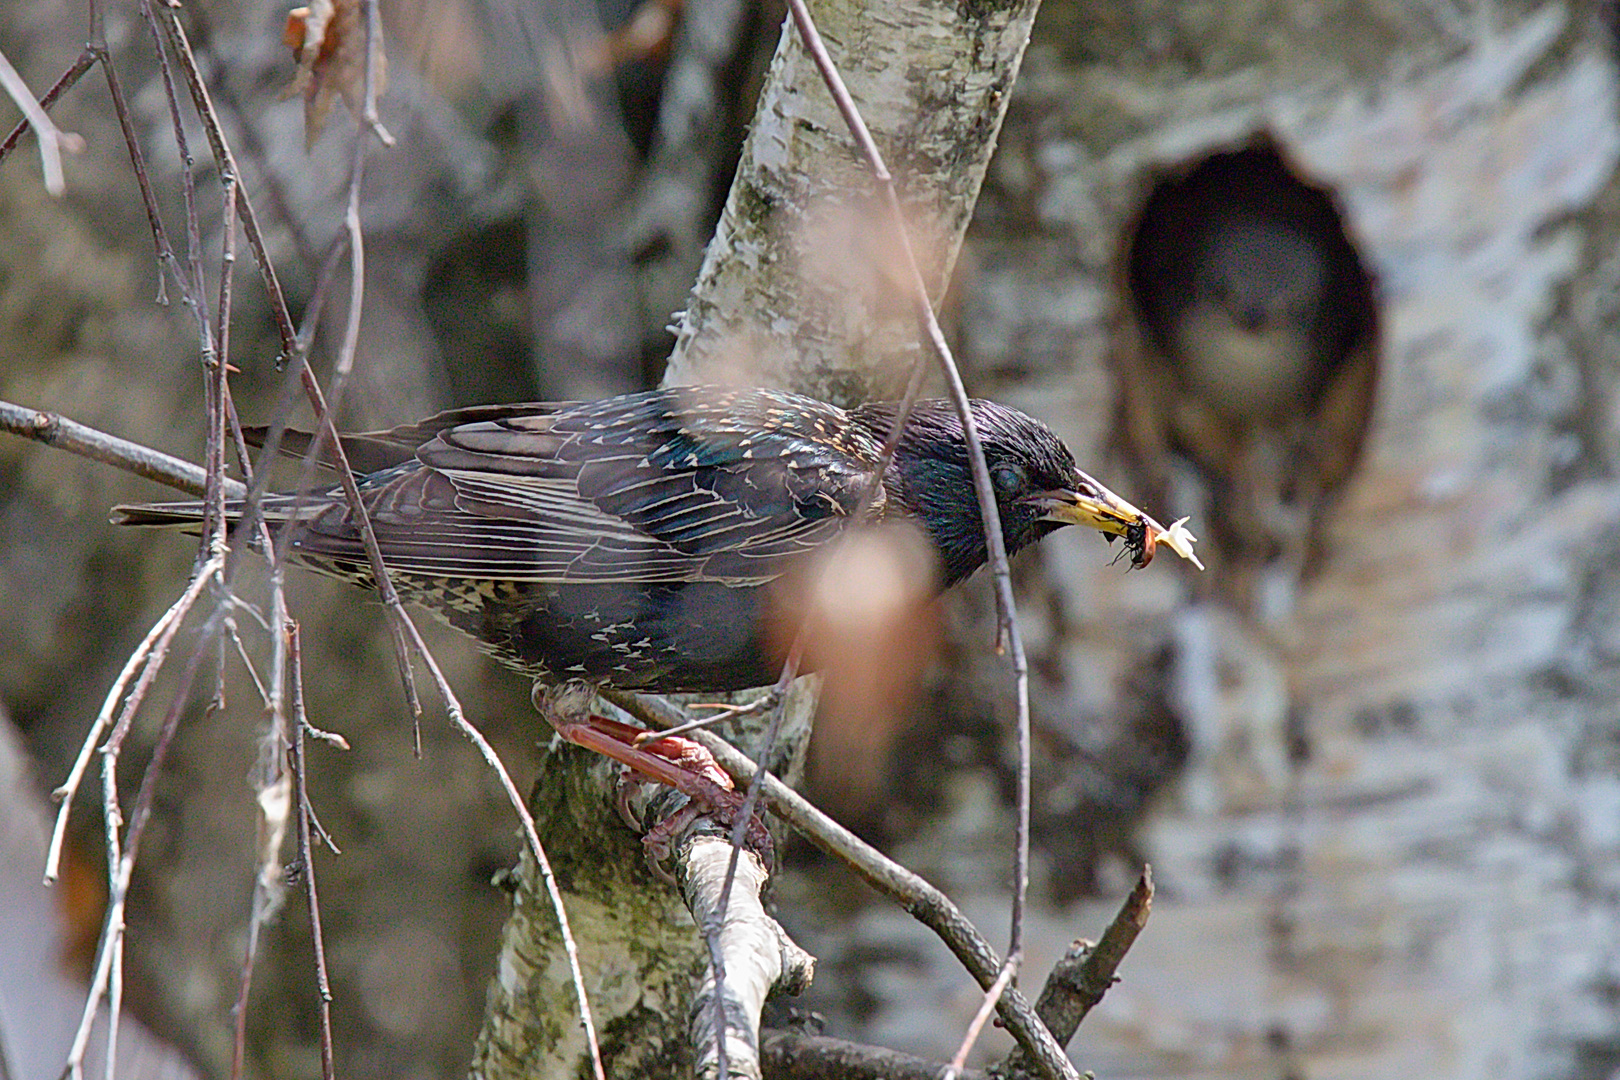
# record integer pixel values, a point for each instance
(1250, 344)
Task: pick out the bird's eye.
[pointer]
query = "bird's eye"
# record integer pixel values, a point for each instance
(1007, 478)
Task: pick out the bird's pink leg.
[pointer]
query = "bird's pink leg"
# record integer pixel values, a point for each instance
(674, 762)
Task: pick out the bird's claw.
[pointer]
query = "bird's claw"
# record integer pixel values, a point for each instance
(722, 806)
(674, 762)
(710, 793)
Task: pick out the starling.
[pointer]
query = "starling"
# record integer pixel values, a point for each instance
(635, 541)
(632, 541)
(1248, 334)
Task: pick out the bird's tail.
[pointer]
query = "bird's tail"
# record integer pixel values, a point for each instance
(163, 515)
(275, 509)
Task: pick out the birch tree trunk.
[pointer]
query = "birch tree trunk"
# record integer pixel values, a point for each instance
(798, 290)
(1392, 849)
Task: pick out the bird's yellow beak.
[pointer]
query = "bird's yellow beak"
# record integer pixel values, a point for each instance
(1088, 503)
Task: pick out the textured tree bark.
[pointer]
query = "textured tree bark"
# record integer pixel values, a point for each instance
(1392, 849)
(799, 288)
(793, 293)
(638, 949)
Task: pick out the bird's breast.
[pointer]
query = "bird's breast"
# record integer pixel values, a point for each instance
(692, 636)
(1245, 376)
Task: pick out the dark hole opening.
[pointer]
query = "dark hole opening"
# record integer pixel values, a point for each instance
(1246, 285)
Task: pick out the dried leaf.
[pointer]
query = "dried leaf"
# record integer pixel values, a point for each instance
(328, 39)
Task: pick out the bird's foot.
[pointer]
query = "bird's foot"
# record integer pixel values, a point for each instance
(674, 762)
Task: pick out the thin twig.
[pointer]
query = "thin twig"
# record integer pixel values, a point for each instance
(368, 111)
(530, 833)
(137, 159)
(115, 1006)
(147, 660)
(56, 430)
(1080, 979)
(306, 854)
(216, 364)
(992, 995)
(122, 851)
(192, 286)
(273, 785)
(175, 31)
(86, 60)
(403, 627)
(49, 429)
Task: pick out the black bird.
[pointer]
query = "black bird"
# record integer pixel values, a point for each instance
(635, 541)
(632, 541)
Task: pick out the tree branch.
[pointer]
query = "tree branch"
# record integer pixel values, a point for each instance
(925, 903)
(757, 955)
(55, 430)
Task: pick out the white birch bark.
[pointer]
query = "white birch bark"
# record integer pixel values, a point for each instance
(1424, 883)
(795, 293)
(800, 288)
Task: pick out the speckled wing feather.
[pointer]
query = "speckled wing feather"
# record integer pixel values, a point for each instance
(660, 487)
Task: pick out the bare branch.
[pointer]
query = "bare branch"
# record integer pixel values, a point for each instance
(405, 631)
(1078, 981)
(925, 903)
(1073, 986)
(146, 660)
(51, 140)
(992, 995)
(72, 75)
(755, 955)
(55, 430)
(306, 853)
(791, 1056)
(123, 848)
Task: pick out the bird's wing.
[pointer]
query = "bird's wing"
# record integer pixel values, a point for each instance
(373, 451)
(660, 487)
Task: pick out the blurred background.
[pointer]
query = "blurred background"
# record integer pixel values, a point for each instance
(1336, 280)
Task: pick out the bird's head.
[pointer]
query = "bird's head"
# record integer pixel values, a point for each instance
(1038, 486)
(1263, 276)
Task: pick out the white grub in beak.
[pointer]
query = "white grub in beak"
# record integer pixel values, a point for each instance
(1088, 503)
